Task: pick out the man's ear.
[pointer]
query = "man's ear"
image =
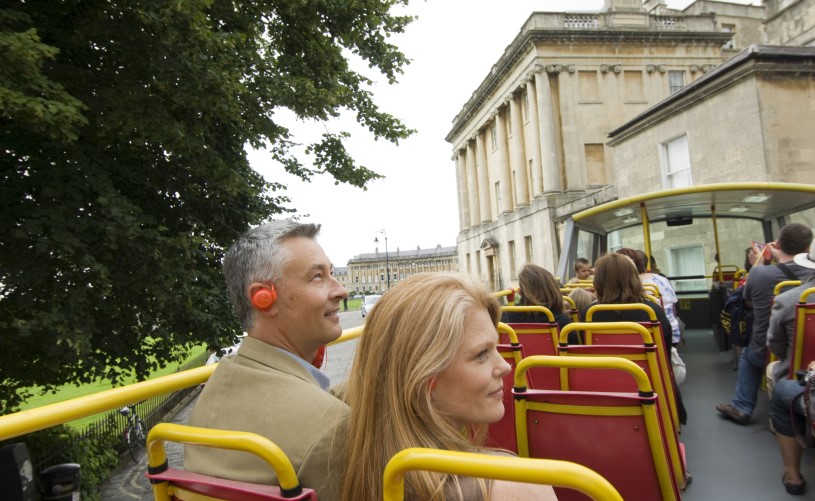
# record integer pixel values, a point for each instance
(263, 296)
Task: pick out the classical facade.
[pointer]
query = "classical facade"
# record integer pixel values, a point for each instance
(531, 144)
(378, 271)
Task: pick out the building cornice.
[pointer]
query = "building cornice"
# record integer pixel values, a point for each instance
(756, 59)
(532, 37)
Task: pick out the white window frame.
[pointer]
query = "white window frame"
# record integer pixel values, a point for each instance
(687, 285)
(675, 162)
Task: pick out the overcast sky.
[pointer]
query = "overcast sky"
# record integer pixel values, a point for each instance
(452, 45)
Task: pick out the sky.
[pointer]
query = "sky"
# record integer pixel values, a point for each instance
(452, 45)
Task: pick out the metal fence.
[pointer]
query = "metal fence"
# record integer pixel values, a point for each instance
(152, 410)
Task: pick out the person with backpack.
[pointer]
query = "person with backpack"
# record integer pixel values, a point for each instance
(781, 333)
(793, 239)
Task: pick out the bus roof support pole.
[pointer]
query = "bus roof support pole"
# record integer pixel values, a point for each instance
(716, 242)
(646, 235)
(568, 253)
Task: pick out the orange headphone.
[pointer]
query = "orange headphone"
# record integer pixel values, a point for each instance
(263, 299)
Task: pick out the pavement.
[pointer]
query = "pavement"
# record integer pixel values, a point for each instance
(128, 482)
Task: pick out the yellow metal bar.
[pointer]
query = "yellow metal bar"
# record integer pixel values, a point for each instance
(716, 242)
(786, 283)
(537, 471)
(646, 235)
(40, 418)
(223, 439)
(609, 327)
(536, 309)
(20, 423)
(800, 327)
(509, 331)
(652, 317)
(617, 363)
(705, 188)
(347, 335)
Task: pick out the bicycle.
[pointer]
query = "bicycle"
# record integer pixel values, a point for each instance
(135, 433)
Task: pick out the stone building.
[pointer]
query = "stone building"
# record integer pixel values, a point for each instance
(531, 144)
(378, 271)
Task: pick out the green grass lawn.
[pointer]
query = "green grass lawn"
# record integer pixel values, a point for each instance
(354, 304)
(69, 391)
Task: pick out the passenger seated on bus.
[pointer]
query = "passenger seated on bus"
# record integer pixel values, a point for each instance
(538, 287)
(281, 285)
(582, 270)
(793, 239)
(427, 374)
(781, 332)
(788, 419)
(582, 298)
(666, 290)
(617, 281)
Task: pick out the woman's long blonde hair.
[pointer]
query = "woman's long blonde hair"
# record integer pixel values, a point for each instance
(411, 336)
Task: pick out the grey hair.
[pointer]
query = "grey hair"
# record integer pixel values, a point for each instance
(256, 257)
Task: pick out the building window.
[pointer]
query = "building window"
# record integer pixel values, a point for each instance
(588, 87)
(478, 263)
(729, 28)
(675, 158)
(676, 80)
(528, 248)
(615, 241)
(513, 272)
(595, 164)
(688, 261)
(634, 88)
(469, 264)
(498, 196)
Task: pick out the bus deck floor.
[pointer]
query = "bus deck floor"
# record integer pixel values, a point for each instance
(728, 461)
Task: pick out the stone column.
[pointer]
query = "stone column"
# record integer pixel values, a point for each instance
(517, 154)
(504, 188)
(483, 177)
(575, 172)
(533, 137)
(463, 191)
(472, 181)
(546, 116)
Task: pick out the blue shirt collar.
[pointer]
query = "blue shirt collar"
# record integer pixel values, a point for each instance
(318, 375)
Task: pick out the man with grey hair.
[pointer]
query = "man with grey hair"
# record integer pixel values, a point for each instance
(281, 285)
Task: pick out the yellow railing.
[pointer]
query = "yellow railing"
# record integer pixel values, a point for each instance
(47, 416)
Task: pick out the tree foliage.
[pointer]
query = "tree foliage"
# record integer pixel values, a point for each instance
(123, 172)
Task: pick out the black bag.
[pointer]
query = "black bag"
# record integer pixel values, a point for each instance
(736, 318)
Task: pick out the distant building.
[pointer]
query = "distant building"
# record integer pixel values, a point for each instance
(341, 274)
(368, 273)
(531, 145)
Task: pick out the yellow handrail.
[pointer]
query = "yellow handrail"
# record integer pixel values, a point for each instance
(223, 439)
(47, 416)
(515, 469)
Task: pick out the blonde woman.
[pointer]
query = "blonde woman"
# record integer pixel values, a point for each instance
(427, 374)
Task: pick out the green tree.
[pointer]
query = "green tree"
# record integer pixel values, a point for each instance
(123, 128)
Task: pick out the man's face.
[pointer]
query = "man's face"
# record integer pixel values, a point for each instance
(307, 306)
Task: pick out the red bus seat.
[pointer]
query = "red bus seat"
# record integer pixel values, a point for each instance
(663, 353)
(803, 344)
(616, 434)
(640, 349)
(171, 484)
(537, 339)
(501, 434)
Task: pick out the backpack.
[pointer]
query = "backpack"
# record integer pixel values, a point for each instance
(736, 318)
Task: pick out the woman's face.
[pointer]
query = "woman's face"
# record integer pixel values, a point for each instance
(470, 391)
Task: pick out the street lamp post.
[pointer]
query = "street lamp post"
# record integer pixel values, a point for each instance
(387, 260)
